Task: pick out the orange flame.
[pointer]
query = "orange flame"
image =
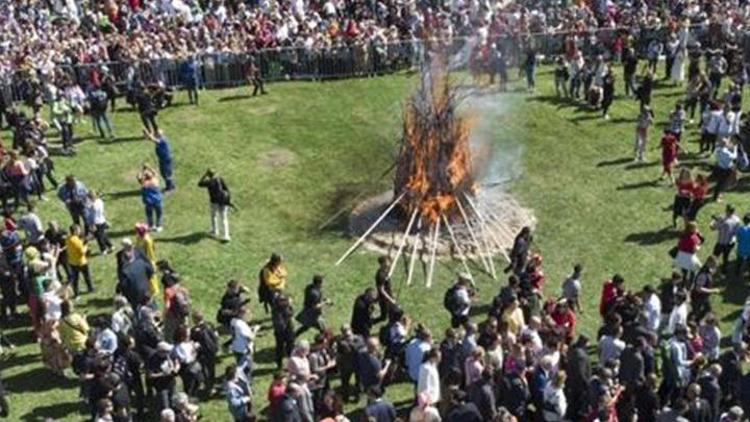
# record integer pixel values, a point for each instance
(434, 162)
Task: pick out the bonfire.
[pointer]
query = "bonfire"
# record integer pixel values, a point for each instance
(434, 189)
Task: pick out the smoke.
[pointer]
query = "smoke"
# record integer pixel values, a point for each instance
(496, 155)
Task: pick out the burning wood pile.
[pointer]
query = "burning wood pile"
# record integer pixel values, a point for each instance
(435, 192)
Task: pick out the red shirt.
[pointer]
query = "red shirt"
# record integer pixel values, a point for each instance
(275, 393)
(566, 321)
(610, 291)
(684, 188)
(669, 147)
(689, 243)
(699, 190)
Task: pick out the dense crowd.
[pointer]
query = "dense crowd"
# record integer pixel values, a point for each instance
(658, 353)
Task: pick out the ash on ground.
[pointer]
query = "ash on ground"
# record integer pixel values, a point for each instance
(499, 219)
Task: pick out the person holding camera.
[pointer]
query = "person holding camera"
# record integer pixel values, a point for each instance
(151, 197)
(220, 199)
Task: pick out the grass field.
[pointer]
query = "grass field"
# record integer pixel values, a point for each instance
(295, 157)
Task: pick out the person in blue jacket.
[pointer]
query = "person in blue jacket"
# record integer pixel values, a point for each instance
(189, 74)
(164, 155)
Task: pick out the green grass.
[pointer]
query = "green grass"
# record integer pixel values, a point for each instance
(295, 157)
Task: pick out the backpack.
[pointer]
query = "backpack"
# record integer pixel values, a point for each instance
(206, 337)
(450, 300)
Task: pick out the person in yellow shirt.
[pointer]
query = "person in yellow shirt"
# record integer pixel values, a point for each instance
(513, 317)
(76, 249)
(73, 329)
(272, 280)
(144, 243)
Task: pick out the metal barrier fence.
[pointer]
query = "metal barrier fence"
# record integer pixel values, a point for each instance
(355, 60)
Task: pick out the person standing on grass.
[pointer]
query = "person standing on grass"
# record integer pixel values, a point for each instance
(608, 91)
(272, 281)
(726, 155)
(220, 200)
(670, 146)
(77, 260)
(311, 315)
(698, 194)
(255, 78)
(74, 193)
(684, 185)
(646, 89)
(146, 108)
(687, 251)
(386, 301)
(163, 156)
(571, 288)
(726, 228)
(62, 117)
(243, 340)
(98, 109)
(144, 245)
(529, 66)
(189, 73)
(743, 245)
(96, 220)
(151, 197)
(645, 120)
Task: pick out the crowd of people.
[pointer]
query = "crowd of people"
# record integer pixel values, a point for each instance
(657, 351)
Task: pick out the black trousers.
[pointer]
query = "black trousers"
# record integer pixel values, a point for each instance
(284, 346)
(149, 121)
(102, 239)
(75, 273)
(722, 179)
(10, 297)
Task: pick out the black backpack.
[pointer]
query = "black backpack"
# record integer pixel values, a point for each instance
(450, 300)
(206, 337)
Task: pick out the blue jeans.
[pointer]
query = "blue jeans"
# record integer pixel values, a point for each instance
(166, 172)
(154, 211)
(245, 363)
(101, 121)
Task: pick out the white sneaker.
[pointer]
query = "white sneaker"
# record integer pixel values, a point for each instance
(158, 229)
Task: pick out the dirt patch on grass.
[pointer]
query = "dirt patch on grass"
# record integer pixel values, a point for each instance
(276, 158)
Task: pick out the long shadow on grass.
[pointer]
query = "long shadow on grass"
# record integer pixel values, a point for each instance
(185, 239)
(651, 237)
(639, 185)
(120, 140)
(53, 412)
(235, 98)
(38, 380)
(614, 162)
(122, 194)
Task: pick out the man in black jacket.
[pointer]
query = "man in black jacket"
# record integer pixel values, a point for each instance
(579, 375)
(482, 394)
(220, 199)
(710, 389)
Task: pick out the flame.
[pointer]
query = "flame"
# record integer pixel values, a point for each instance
(434, 163)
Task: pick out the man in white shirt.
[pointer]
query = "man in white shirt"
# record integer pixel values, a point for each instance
(32, 226)
(571, 288)
(243, 336)
(415, 352)
(611, 346)
(429, 378)
(679, 315)
(652, 306)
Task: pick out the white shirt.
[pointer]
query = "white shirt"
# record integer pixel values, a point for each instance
(96, 212)
(242, 336)
(678, 316)
(610, 348)
(429, 382)
(52, 304)
(653, 310)
(554, 397)
(186, 352)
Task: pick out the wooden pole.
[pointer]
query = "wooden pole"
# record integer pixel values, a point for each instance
(403, 243)
(472, 235)
(414, 252)
(486, 227)
(458, 248)
(476, 241)
(433, 253)
(372, 227)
